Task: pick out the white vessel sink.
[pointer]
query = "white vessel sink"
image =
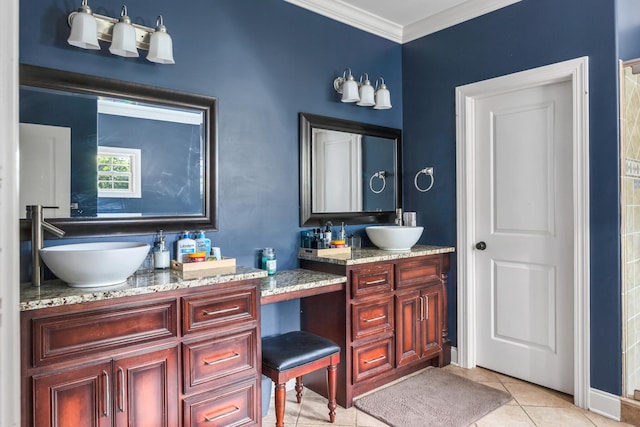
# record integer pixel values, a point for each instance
(393, 237)
(88, 265)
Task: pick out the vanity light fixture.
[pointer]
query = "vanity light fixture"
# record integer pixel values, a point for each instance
(125, 37)
(362, 92)
(383, 97)
(347, 86)
(123, 41)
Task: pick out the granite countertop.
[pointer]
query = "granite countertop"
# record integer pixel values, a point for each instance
(365, 255)
(55, 293)
(297, 280)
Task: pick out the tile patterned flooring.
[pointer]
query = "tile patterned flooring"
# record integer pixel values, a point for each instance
(531, 406)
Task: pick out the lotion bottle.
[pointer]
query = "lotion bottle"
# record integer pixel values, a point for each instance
(185, 246)
(203, 244)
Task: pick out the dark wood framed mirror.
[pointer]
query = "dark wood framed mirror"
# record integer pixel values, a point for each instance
(349, 171)
(136, 159)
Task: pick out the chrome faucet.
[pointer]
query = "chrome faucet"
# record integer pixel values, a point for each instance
(38, 225)
(399, 217)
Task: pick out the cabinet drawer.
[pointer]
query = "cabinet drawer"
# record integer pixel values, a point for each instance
(371, 279)
(418, 271)
(58, 338)
(215, 358)
(238, 405)
(214, 310)
(371, 318)
(372, 359)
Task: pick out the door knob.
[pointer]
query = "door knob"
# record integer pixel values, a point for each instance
(481, 246)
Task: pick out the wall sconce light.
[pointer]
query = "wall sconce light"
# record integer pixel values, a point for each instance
(362, 92)
(126, 38)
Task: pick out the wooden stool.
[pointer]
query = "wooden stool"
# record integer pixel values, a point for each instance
(293, 355)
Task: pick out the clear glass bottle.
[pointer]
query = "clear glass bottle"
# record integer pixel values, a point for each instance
(269, 260)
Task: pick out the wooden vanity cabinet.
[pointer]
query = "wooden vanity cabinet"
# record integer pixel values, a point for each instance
(394, 321)
(145, 360)
(131, 391)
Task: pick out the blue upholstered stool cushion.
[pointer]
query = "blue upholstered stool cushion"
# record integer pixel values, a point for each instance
(286, 351)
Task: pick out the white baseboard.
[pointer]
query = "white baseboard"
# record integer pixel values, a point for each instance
(605, 404)
(454, 356)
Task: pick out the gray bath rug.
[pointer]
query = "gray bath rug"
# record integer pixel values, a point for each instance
(432, 398)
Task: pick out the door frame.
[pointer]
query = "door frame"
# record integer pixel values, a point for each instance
(575, 71)
(9, 240)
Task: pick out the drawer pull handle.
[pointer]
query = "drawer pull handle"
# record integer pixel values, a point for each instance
(373, 319)
(224, 359)
(107, 391)
(426, 307)
(377, 359)
(375, 282)
(224, 310)
(235, 410)
(121, 406)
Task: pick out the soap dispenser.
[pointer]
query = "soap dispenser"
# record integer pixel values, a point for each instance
(161, 253)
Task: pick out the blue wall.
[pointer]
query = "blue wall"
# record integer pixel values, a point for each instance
(265, 61)
(526, 35)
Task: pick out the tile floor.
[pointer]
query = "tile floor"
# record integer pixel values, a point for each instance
(531, 406)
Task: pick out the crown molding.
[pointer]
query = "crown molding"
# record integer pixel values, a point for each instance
(447, 18)
(374, 24)
(354, 17)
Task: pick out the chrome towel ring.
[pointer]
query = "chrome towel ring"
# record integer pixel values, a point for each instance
(429, 173)
(382, 175)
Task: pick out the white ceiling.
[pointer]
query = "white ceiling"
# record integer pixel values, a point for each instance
(402, 20)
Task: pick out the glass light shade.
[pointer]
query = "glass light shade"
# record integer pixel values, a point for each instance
(123, 42)
(350, 90)
(84, 31)
(383, 99)
(366, 95)
(160, 45)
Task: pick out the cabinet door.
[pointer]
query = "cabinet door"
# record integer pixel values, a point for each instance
(77, 397)
(431, 338)
(145, 391)
(409, 310)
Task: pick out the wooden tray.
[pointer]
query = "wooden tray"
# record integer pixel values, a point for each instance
(327, 253)
(193, 269)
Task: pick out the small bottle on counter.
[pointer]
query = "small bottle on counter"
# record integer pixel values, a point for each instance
(185, 246)
(203, 244)
(161, 253)
(269, 260)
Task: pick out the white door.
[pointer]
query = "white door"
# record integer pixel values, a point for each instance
(524, 217)
(336, 171)
(45, 169)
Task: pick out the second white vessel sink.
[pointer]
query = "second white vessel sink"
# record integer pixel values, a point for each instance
(393, 237)
(88, 265)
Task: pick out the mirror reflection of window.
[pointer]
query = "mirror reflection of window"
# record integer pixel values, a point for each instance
(119, 172)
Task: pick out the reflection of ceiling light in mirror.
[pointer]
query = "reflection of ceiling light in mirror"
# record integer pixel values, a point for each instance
(125, 37)
(362, 92)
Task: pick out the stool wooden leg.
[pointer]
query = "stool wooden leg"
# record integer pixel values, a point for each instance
(332, 374)
(281, 397)
(299, 388)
